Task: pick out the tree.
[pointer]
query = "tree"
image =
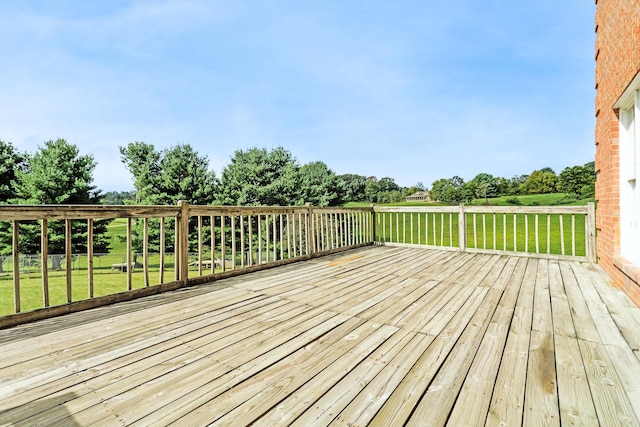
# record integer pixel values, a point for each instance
(319, 185)
(10, 162)
(515, 185)
(164, 178)
(58, 174)
(448, 190)
(482, 186)
(117, 197)
(354, 187)
(258, 176)
(578, 180)
(542, 181)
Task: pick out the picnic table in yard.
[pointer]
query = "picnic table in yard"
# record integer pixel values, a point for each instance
(122, 267)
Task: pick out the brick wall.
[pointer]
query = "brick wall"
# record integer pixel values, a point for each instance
(617, 53)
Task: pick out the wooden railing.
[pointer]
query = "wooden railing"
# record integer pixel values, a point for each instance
(199, 244)
(204, 242)
(561, 232)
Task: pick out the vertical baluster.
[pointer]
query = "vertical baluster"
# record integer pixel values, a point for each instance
(69, 257)
(199, 245)
(212, 244)
(130, 256)
(300, 235)
(260, 240)
(249, 252)
(494, 231)
(484, 230)
(176, 255)
(573, 234)
(145, 250)
(515, 233)
(233, 242)
(561, 234)
(504, 232)
(548, 233)
(44, 253)
(526, 232)
(537, 240)
(223, 244)
(242, 245)
(162, 238)
(89, 258)
(475, 242)
(433, 225)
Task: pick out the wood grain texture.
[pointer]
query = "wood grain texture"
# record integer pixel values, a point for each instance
(374, 336)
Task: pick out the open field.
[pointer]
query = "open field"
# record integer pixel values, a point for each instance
(524, 200)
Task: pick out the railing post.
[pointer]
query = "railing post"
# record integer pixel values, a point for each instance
(462, 228)
(591, 232)
(183, 245)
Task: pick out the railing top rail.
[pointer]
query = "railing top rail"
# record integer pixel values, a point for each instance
(528, 209)
(486, 209)
(36, 212)
(423, 209)
(203, 210)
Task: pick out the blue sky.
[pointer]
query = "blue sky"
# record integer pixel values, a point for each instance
(413, 90)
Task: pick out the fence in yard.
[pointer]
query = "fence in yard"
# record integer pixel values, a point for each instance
(181, 245)
(561, 232)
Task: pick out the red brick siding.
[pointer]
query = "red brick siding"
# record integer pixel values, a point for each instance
(617, 53)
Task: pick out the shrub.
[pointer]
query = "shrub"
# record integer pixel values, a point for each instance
(513, 201)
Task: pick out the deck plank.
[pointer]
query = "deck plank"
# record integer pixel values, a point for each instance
(373, 336)
(475, 396)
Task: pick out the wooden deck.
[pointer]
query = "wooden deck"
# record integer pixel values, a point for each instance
(375, 336)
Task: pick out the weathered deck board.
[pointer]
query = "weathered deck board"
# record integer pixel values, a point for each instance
(374, 336)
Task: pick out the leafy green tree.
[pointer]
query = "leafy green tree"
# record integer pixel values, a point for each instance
(482, 186)
(11, 161)
(542, 181)
(372, 192)
(578, 180)
(117, 197)
(319, 185)
(164, 178)
(354, 187)
(449, 191)
(258, 176)
(58, 174)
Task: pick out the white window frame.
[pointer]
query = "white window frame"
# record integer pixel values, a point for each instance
(629, 148)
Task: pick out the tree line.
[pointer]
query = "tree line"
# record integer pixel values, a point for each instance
(578, 182)
(57, 173)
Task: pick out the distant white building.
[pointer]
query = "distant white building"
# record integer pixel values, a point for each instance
(420, 196)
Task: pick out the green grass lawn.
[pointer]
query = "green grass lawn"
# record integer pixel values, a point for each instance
(552, 199)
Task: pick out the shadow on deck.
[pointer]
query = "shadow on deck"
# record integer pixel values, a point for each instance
(379, 335)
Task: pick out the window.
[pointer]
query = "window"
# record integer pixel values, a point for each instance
(629, 114)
